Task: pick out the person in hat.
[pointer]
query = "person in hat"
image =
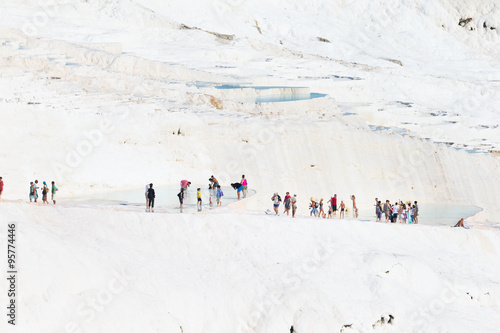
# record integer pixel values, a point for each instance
(276, 202)
(45, 191)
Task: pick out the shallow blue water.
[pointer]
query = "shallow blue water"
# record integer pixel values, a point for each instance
(432, 214)
(166, 197)
(287, 98)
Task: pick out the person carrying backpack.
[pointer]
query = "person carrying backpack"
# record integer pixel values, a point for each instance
(276, 202)
(45, 191)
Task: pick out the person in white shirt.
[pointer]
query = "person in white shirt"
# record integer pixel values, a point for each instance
(147, 200)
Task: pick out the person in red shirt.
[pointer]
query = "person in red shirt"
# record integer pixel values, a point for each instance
(333, 203)
(1, 188)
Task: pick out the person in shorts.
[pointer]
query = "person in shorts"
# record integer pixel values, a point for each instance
(276, 202)
(198, 198)
(218, 196)
(53, 191)
(293, 201)
(181, 197)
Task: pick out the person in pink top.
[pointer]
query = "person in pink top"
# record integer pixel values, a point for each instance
(288, 197)
(1, 188)
(185, 184)
(244, 184)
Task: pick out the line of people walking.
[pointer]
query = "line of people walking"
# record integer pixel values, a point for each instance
(33, 194)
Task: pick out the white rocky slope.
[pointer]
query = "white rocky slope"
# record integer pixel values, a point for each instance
(109, 95)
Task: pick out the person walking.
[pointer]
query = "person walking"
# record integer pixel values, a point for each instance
(151, 198)
(321, 211)
(53, 191)
(276, 202)
(45, 192)
(32, 192)
(286, 203)
(1, 188)
(294, 204)
(35, 187)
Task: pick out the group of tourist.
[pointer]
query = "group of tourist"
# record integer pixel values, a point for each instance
(33, 195)
(289, 202)
(316, 207)
(404, 212)
(213, 187)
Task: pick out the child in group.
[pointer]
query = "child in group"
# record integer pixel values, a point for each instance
(330, 211)
(218, 196)
(198, 197)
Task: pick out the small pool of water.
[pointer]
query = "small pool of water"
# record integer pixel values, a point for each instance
(246, 93)
(166, 197)
(431, 214)
(286, 98)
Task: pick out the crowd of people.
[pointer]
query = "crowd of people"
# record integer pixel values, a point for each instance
(404, 212)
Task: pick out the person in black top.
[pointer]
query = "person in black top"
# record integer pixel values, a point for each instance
(151, 198)
(238, 187)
